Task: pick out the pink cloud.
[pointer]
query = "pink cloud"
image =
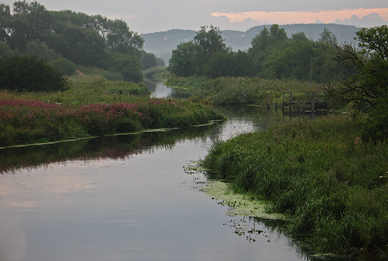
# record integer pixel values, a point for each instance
(301, 17)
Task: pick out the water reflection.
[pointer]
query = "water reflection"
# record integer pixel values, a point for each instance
(159, 90)
(114, 147)
(128, 198)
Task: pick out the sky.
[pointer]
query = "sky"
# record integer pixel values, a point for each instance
(147, 16)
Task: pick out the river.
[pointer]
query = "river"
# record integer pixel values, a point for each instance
(129, 198)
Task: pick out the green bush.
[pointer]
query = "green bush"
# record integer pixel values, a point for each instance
(376, 125)
(63, 65)
(28, 73)
(128, 66)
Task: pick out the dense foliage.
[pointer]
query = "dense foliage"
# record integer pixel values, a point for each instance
(367, 89)
(77, 37)
(208, 55)
(331, 184)
(28, 73)
(272, 55)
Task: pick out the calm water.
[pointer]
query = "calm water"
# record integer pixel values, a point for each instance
(128, 198)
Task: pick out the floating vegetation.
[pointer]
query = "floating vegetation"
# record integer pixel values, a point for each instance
(245, 227)
(239, 204)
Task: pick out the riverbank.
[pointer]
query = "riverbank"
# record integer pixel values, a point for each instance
(92, 107)
(229, 90)
(330, 185)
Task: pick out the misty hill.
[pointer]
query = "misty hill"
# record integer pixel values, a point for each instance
(162, 43)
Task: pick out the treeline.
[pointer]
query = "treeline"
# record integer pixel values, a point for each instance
(273, 55)
(65, 38)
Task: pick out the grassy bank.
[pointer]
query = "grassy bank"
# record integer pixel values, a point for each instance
(92, 106)
(331, 185)
(228, 90)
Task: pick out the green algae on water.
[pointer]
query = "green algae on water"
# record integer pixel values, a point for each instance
(240, 205)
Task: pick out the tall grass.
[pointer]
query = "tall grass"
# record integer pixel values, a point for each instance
(87, 89)
(331, 184)
(228, 90)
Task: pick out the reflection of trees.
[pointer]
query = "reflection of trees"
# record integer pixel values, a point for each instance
(115, 147)
(243, 119)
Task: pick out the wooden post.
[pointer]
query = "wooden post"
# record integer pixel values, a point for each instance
(269, 99)
(290, 104)
(313, 103)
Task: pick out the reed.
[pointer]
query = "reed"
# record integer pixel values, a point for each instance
(229, 90)
(331, 184)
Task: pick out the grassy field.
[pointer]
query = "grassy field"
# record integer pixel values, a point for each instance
(330, 184)
(92, 106)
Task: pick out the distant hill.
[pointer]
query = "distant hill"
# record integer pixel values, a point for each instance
(162, 43)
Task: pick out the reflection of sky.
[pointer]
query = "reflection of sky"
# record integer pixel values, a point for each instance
(142, 208)
(138, 209)
(161, 91)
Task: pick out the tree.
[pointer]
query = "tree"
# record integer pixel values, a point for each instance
(41, 50)
(292, 60)
(120, 39)
(367, 89)
(29, 20)
(324, 68)
(264, 43)
(28, 73)
(128, 66)
(85, 46)
(182, 61)
(147, 60)
(5, 18)
(328, 37)
(243, 64)
(160, 62)
(210, 41)
(64, 66)
(370, 61)
(219, 64)
(5, 50)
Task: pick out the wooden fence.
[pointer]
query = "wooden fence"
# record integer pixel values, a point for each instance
(303, 101)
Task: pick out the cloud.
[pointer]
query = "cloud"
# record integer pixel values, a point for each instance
(156, 15)
(370, 17)
(224, 23)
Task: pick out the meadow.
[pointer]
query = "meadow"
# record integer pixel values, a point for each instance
(329, 183)
(92, 106)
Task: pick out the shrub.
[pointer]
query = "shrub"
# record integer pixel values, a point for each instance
(63, 65)
(28, 73)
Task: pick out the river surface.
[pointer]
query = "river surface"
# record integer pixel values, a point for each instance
(129, 198)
